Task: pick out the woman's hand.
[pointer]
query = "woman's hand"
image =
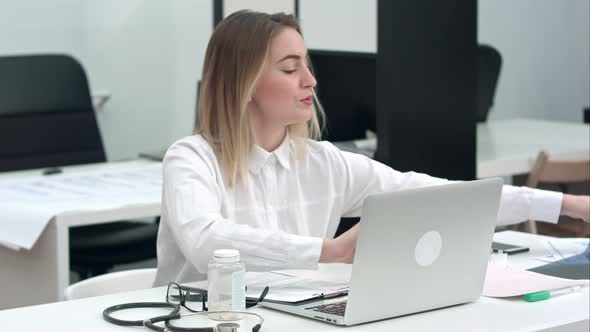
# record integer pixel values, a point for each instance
(340, 249)
(576, 207)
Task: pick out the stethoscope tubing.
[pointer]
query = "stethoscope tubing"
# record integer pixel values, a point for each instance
(106, 313)
(174, 314)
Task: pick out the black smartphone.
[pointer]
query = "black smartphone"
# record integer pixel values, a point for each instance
(508, 248)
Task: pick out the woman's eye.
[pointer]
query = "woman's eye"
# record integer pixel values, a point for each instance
(290, 71)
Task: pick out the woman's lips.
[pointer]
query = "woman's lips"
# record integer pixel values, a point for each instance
(307, 100)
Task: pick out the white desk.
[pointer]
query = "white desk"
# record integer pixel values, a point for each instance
(510, 147)
(563, 313)
(46, 267)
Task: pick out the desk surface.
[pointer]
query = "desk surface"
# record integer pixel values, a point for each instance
(564, 313)
(29, 200)
(48, 263)
(510, 147)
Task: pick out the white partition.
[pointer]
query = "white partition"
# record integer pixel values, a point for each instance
(267, 6)
(340, 25)
(31, 26)
(149, 55)
(545, 49)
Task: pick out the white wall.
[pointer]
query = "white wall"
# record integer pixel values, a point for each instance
(148, 54)
(545, 49)
(30, 26)
(339, 25)
(268, 6)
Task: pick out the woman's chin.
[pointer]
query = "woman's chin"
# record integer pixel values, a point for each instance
(305, 114)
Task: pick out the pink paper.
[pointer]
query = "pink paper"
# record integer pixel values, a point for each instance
(506, 282)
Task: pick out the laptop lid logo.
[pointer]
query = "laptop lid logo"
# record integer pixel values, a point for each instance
(428, 248)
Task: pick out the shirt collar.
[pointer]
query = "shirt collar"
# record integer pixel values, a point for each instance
(258, 156)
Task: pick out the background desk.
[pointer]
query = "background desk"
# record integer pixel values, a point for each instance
(510, 147)
(563, 313)
(40, 275)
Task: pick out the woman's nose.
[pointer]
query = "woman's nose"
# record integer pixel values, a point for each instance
(308, 79)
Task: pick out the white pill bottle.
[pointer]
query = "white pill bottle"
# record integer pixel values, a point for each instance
(226, 290)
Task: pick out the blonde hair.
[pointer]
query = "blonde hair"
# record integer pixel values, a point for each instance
(235, 60)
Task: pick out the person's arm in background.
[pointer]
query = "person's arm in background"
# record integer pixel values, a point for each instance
(575, 206)
(519, 204)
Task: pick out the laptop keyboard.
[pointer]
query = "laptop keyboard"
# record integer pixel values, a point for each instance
(337, 308)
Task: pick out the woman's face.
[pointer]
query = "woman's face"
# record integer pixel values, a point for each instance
(284, 93)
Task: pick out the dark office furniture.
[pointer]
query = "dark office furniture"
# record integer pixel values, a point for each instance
(46, 116)
(427, 86)
(488, 72)
(587, 115)
(47, 120)
(346, 89)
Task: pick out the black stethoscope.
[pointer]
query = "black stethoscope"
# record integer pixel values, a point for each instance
(175, 314)
(150, 323)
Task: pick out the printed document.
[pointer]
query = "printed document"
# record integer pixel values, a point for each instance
(27, 204)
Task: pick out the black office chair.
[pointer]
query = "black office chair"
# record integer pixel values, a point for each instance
(47, 120)
(489, 66)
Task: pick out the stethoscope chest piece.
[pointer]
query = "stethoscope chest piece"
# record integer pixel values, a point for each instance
(228, 327)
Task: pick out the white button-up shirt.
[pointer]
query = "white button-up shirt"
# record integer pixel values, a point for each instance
(278, 221)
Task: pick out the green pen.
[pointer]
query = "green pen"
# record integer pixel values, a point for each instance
(544, 295)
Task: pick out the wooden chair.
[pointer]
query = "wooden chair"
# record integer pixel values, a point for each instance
(560, 172)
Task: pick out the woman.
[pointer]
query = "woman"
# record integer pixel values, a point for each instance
(254, 179)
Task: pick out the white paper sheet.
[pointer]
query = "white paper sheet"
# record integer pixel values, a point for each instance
(28, 204)
(288, 288)
(560, 248)
(508, 282)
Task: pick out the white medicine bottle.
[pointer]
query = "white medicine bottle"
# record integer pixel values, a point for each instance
(226, 288)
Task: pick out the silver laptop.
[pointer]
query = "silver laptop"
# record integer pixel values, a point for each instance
(417, 250)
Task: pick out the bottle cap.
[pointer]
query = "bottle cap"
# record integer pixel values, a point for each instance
(226, 256)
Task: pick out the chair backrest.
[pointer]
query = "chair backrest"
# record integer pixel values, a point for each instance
(558, 171)
(46, 113)
(113, 282)
(545, 170)
(489, 66)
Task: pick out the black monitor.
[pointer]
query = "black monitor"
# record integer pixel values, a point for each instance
(346, 89)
